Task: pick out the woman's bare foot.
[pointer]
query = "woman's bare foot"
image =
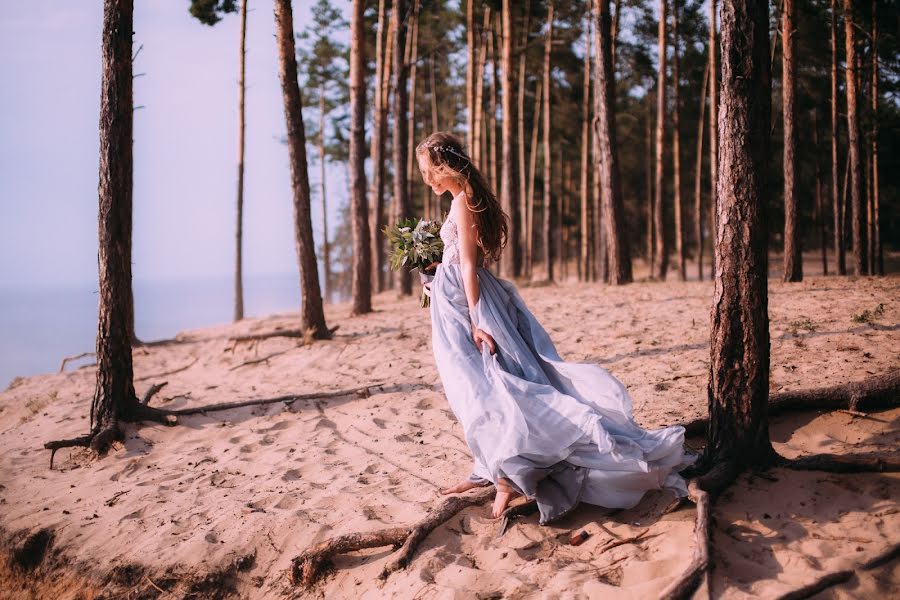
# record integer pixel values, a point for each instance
(505, 493)
(463, 486)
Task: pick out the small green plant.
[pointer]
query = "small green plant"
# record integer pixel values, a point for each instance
(869, 316)
(801, 324)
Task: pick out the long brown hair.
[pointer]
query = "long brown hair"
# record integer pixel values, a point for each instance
(447, 158)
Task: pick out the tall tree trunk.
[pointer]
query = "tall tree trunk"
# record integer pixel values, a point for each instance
(547, 224)
(523, 174)
(312, 315)
(676, 148)
(492, 109)
(361, 285)
(401, 122)
(510, 262)
(239, 232)
(326, 250)
(480, 67)
(713, 131)
(860, 261)
(379, 131)
(470, 75)
(613, 210)
(698, 200)
(114, 395)
(662, 246)
(434, 109)
(739, 339)
(839, 256)
(413, 60)
(648, 177)
(532, 174)
(793, 257)
(878, 258)
(820, 203)
(586, 229)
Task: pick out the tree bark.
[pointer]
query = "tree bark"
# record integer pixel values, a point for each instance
(662, 246)
(613, 211)
(510, 261)
(401, 122)
(739, 339)
(547, 224)
(698, 200)
(361, 283)
(713, 132)
(676, 148)
(860, 261)
(793, 258)
(379, 132)
(239, 232)
(312, 315)
(839, 256)
(877, 251)
(586, 230)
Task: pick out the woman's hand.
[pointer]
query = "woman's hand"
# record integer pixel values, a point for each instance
(433, 265)
(480, 336)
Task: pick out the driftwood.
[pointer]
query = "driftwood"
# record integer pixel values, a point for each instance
(308, 566)
(882, 391)
(836, 577)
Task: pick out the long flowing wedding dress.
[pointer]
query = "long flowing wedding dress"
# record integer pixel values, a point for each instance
(559, 432)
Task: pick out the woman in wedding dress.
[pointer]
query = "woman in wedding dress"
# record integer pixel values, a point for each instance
(558, 432)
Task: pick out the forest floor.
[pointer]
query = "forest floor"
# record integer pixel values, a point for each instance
(222, 503)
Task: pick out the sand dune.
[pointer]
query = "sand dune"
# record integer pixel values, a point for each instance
(223, 502)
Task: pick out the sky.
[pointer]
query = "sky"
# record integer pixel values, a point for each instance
(185, 145)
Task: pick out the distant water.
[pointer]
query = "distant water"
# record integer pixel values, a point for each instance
(41, 326)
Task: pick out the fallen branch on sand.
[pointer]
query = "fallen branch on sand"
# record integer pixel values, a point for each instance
(308, 566)
(67, 359)
(363, 391)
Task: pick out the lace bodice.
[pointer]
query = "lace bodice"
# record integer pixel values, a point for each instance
(450, 237)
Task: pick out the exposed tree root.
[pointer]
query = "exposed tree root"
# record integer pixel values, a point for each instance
(702, 491)
(836, 577)
(869, 462)
(101, 439)
(362, 391)
(308, 566)
(62, 367)
(152, 392)
(882, 391)
(306, 335)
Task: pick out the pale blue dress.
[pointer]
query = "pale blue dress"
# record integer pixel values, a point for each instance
(560, 432)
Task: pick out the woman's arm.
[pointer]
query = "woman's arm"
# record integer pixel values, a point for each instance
(468, 259)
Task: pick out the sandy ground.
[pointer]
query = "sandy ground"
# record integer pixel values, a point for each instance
(177, 512)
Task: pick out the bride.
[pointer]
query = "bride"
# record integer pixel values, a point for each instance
(558, 432)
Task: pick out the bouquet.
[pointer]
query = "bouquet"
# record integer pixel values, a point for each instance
(415, 244)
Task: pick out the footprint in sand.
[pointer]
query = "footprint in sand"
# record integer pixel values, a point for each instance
(292, 475)
(280, 426)
(325, 423)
